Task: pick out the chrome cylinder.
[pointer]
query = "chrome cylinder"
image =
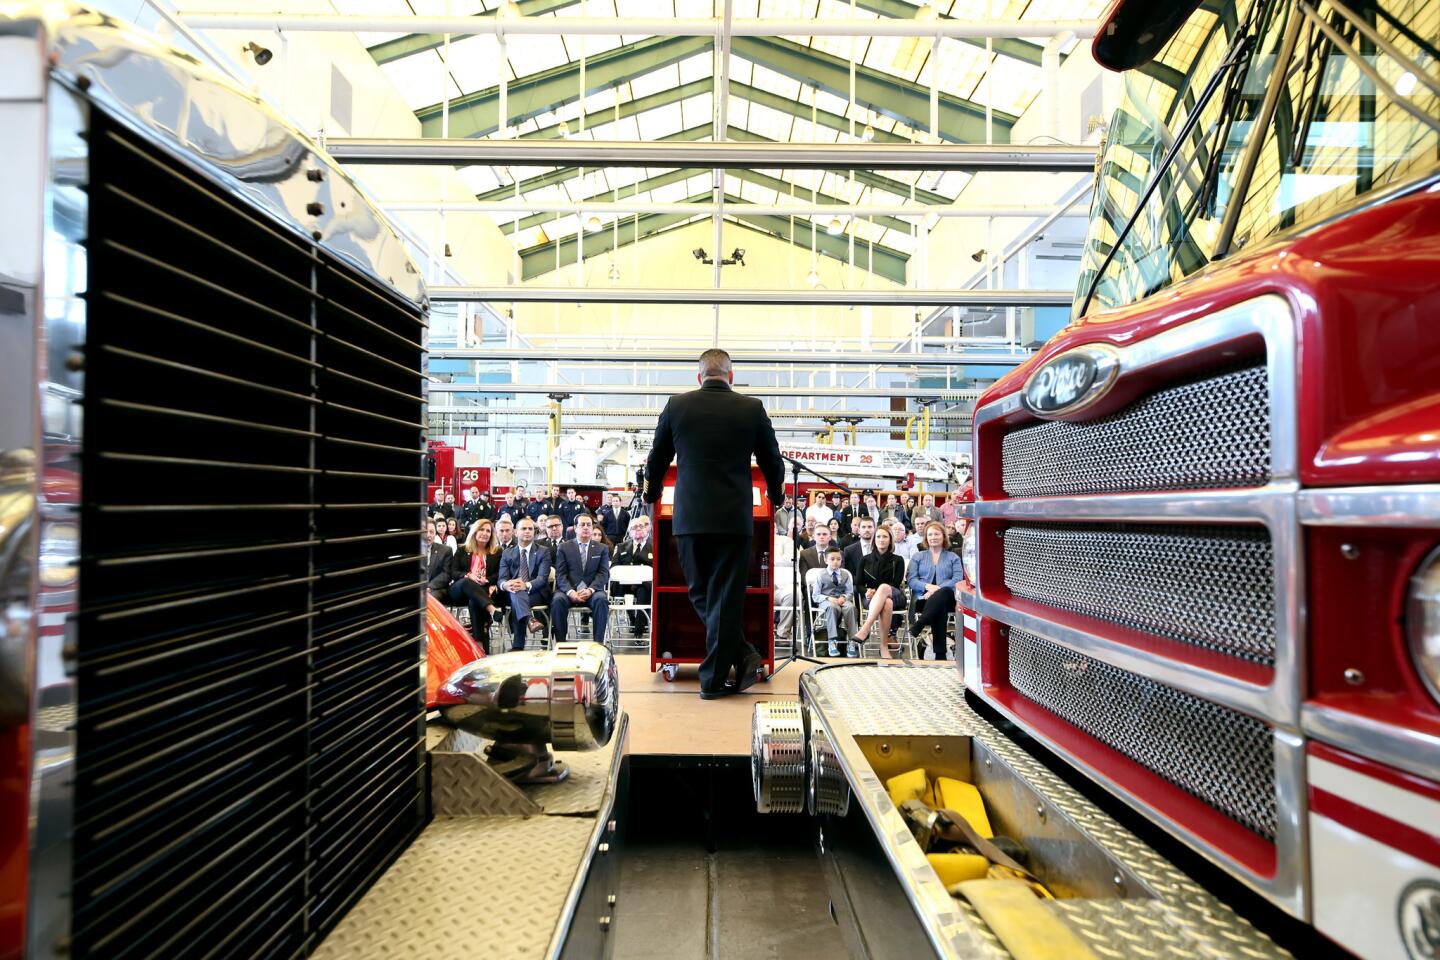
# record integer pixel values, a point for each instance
(778, 756)
(568, 697)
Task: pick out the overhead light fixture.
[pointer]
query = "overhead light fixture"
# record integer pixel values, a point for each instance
(868, 134)
(447, 251)
(835, 228)
(978, 255)
(812, 278)
(1405, 85)
(925, 12)
(261, 54)
(699, 254)
(564, 130)
(593, 225)
(737, 256)
(614, 272)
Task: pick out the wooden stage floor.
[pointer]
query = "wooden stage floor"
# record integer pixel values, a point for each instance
(669, 718)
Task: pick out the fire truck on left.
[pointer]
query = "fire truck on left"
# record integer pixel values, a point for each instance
(446, 475)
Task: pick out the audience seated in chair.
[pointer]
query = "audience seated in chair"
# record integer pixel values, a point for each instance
(525, 576)
(832, 591)
(582, 575)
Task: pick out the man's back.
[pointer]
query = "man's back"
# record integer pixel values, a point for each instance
(711, 433)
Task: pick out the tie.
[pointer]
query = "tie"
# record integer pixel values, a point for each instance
(835, 575)
(584, 551)
(525, 564)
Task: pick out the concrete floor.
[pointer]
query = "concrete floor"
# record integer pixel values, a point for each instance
(682, 903)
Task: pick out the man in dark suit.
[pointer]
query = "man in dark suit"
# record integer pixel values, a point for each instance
(525, 575)
(711, 434)
(552, 535)
(582, 577)
(437, 560)
(856, 552)
(614, 519)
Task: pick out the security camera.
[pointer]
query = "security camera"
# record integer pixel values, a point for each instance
(698, 253)
(261, 54)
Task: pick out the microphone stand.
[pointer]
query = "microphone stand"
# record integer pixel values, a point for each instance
(795, 623)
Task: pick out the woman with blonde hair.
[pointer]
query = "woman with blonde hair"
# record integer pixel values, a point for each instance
(474, 573)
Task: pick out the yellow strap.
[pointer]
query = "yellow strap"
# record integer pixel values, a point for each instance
(1028, 929)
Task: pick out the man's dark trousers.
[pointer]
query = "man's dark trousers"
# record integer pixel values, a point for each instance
(715, 567)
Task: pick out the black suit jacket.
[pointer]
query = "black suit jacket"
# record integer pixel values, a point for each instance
(596, 574)
(711, 434)
(627, 555)
(614, 522)
(437, 571)
(853, 556)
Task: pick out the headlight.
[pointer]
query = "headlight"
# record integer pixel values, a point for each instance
(1422, 621)
(969, 553)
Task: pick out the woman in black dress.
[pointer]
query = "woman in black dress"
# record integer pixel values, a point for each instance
(474, 572)
(882, 577)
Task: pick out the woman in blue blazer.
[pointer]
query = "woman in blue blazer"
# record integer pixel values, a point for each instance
(934, 572)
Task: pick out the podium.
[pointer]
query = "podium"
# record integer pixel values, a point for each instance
(677, 636)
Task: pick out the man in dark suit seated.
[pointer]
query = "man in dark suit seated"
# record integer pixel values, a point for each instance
(582, 575)
(856, 552)
(525, 575)
(711, 433)
(812, 558)
(437, 559)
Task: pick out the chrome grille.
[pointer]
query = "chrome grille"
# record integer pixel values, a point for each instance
(1209, 586)
(1222, 757)
(1209, 433)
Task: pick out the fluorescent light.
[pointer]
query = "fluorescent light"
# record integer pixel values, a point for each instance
(593, 225)
(1406, 84)
(836, 227)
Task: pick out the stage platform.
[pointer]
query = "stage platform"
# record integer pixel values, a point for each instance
(668, 719)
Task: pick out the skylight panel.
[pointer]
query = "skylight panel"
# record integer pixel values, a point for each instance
(841, 187)
(1015, 84)
(739, 114)
(694, 8)
(741, 71)
(747, 8)
(806, 179)
(624, 177)
(698, 67)
(475, 62)
(769, 122)
(479, 179)
(660, 122)
(432, 8)
(670, 192)
(418, 79)
(772, 82)
(563, 226)
(597, 44)
(900, 56)
(837, 10)
(782, 10)
(829, 103)
(695, 111)
(532, 53)
(665, 78)
(645, 9)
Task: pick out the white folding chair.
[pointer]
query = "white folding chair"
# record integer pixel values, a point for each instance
(623, 604)
(811, 578)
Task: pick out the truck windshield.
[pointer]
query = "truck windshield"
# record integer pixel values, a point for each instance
(1359, 109)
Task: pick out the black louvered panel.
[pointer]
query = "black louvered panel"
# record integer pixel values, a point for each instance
(368, 702)
(249, 722)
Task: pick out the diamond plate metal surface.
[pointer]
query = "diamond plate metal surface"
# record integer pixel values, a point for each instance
(1183, 920)
(900, 700)
(584, 790)
(1225, 758)
(462, 785)
(1212, 587)
(416, 910)
(1209, 434)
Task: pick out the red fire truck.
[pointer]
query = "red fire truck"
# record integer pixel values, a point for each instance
(1208, 539)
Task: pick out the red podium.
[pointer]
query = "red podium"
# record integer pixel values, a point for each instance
(677, 636)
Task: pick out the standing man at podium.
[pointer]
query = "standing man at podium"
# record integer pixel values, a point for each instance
(711, 434)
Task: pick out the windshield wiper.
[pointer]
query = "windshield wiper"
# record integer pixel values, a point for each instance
(1239, 50)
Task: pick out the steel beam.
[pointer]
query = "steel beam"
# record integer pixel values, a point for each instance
(687, 358)
(520, 293)
(1047, 158)
(1022, 50)
(629, 390)
(960, 121)
(477, 114)
(881, 260)
(469, 25)
(551, 210)
(896, 187)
